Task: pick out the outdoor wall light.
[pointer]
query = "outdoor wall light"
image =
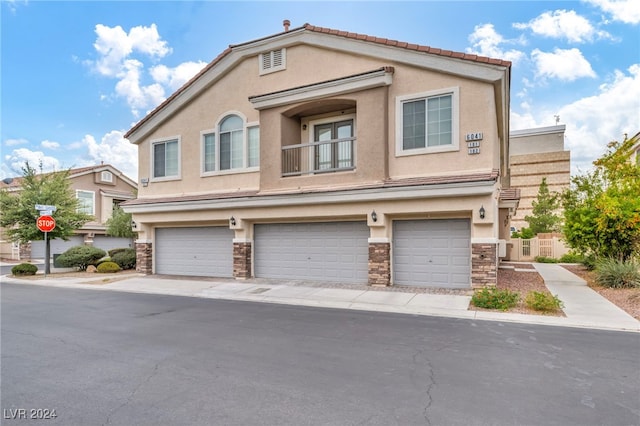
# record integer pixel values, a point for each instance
(232, 221)
(374, 216)
(145, 182)
(482, 212)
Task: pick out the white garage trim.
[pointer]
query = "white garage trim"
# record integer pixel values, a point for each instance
(194, 251)
(328, 251)
(432, 253)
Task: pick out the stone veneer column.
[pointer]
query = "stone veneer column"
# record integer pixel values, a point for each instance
(242, 260)
(144, 258)
(484, 264)
(380, 264)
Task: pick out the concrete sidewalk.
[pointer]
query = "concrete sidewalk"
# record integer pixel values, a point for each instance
(583, 306)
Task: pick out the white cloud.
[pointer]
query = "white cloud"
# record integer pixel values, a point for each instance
(487, 42)
(174, 78)
(18, 157)
(563, 64)
(565, 24)
(112, 149)
(115, 49)
(114, 46)
(626, 11)
(15, 142)
(592, 122)
(49, 144)
(138, 97)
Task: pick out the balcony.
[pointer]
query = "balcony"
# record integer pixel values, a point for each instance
(335, 155)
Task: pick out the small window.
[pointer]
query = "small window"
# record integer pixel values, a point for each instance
(272, 61)
(106, 176)
(166, 159)
(86, 202)
(427, 122)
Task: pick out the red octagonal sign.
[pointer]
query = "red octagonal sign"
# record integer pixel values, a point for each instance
(46, 223)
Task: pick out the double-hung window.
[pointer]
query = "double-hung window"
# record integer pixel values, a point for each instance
(231, 146)
(166, 158)
(427, 122)
(86, 202)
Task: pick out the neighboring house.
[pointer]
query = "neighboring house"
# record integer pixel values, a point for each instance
(536, 154)
(99, 189)
(318, 154)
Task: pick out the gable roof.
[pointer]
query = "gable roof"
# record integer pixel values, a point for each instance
(197, 83)
(16, 182)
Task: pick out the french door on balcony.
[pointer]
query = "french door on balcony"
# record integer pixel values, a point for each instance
(333, 145)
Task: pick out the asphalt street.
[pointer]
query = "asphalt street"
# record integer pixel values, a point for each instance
(110, 358)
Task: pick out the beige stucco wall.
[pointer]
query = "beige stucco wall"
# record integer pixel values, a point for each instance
(375, 125)
(103, 205)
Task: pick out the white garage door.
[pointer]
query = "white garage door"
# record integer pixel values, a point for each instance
(432, 253)
(337, 251)
(198, 251)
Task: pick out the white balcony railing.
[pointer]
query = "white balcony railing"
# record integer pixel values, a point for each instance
(319, 157)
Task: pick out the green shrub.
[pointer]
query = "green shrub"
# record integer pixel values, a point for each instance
(126, 258)
(590, 262)
(572, 258)
(24, 269)
(80, 257)
(495, 298)
(617, 274)
(544, 259)
(108, 267)
(540, 301)
(114, 251)
(525, 234)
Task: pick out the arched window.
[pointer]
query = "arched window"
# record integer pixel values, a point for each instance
(232, 145)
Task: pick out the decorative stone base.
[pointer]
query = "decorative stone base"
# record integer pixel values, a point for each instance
(144, 258)
(379, 264)
(242, 260)
(484, 265)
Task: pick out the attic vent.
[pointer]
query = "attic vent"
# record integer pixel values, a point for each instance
(272, 61)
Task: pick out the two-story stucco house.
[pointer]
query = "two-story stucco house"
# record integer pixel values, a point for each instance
(318, 154)
(99, 188)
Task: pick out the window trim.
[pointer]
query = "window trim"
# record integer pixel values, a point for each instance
(93, 201)
(455, 122)
(155, 142)
(245, 146)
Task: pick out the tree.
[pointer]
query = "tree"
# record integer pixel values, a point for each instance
(119, 224)
(18, 214)
(544, 217)
(602, 208)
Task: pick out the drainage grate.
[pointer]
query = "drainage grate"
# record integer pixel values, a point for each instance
(259, 290)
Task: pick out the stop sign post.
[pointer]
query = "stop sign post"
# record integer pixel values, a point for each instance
(46, 223)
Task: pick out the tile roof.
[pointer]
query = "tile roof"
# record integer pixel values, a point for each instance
(16, 181)
(323, 30)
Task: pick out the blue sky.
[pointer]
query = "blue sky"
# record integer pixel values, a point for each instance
(76, 75)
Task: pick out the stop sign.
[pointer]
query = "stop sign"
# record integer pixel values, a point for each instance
(46, 223)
